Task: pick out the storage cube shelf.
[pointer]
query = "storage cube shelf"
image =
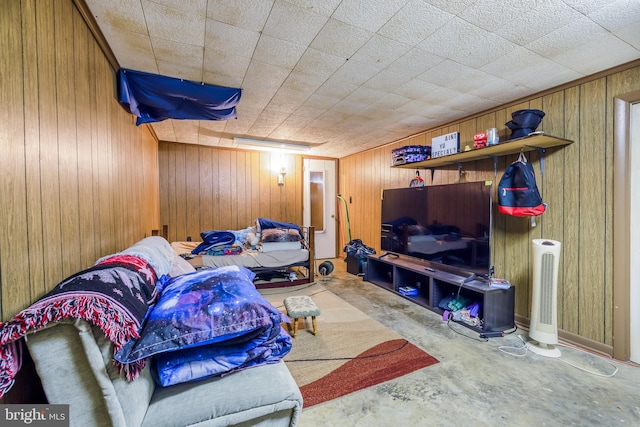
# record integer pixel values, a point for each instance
(433, 285)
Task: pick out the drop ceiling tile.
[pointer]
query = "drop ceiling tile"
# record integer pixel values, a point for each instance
(535, 22)
(452, 75)
(380, 51)
(389, 101)
(370, 14)
(278, 52)
(355, 73)
(415, 62)
(491, 15)
(319, 102)
(164, 130)
(583, 59)
(564, 38)
(132, 50)
(588, 6)
(365, 95)
(303, 82)
(287, 100)
(293, 23)
(171, 52)
(348, 107)
(617, 15)
(386, 81)
(176, 24)
(543, 75)
(631, 35)
(320, 63)
(529, 69)
(229, 39)
(247, 14)
(255, 98)
(454, 7)
(186, 131)
(414, 22)
(504, 93)
(121, 15)
(322, 7)
(224, 69)
(183, 71)
(415, 89)
(263, 77)
(198, 7)
(340, 39)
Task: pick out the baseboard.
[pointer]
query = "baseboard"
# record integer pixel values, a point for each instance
(572, 338)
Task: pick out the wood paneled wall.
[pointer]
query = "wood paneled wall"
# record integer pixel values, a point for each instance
(576, 183)
(208, 188)
(79, 180)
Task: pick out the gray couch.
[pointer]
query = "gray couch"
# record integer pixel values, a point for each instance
(74, 362)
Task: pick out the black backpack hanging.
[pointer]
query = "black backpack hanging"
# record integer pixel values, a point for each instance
(518, 193)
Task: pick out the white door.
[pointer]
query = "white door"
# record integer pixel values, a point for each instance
(319, 204)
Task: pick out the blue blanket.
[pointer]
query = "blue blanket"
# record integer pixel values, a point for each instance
(210, 322)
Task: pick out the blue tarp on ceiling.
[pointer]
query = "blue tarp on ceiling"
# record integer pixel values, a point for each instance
(153, 98)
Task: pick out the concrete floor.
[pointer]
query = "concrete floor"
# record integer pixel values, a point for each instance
(477, 382)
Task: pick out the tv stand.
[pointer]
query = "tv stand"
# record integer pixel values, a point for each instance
(434, 284)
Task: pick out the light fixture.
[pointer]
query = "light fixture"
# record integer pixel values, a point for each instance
(259, 144)
(281, 175)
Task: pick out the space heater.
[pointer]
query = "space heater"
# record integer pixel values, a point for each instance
(543, 329)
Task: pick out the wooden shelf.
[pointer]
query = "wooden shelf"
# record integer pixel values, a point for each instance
(528, 143)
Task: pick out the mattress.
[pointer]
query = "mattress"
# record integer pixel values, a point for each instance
(249, 258)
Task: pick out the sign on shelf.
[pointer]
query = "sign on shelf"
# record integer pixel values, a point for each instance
(445, 145)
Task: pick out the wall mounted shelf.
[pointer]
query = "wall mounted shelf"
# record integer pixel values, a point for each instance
(535, 141)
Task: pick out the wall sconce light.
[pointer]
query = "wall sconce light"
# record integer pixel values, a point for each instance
(281, 175)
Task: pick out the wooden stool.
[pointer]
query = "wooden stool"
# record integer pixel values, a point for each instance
(301, 306)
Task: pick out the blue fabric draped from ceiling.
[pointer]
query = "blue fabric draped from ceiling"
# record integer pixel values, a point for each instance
(153, 98)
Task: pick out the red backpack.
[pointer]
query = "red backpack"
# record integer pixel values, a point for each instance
(518, 193)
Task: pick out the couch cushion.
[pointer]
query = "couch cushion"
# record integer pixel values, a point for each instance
(73, 360)
(155, 250)
(267, 391)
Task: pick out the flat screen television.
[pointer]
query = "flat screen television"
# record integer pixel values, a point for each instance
(448, 225)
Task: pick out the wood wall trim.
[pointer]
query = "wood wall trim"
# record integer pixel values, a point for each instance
(621, 226)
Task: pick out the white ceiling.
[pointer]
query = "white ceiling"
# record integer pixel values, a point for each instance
(348, 75)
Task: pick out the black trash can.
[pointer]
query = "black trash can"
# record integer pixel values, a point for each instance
(356, 265)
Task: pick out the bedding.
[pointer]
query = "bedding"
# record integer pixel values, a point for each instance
(253, 258)
(209, 322)
(279, 246)
(115, 295)
(280, 235)
(277, 251)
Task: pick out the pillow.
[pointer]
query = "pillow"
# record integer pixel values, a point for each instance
(200, 308)
(180, 266)
(265, 223)
(280, 235)
(265, 345)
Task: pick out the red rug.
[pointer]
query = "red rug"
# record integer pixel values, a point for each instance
(384, 362)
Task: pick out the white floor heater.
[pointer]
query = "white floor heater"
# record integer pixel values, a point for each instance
(543, 329)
